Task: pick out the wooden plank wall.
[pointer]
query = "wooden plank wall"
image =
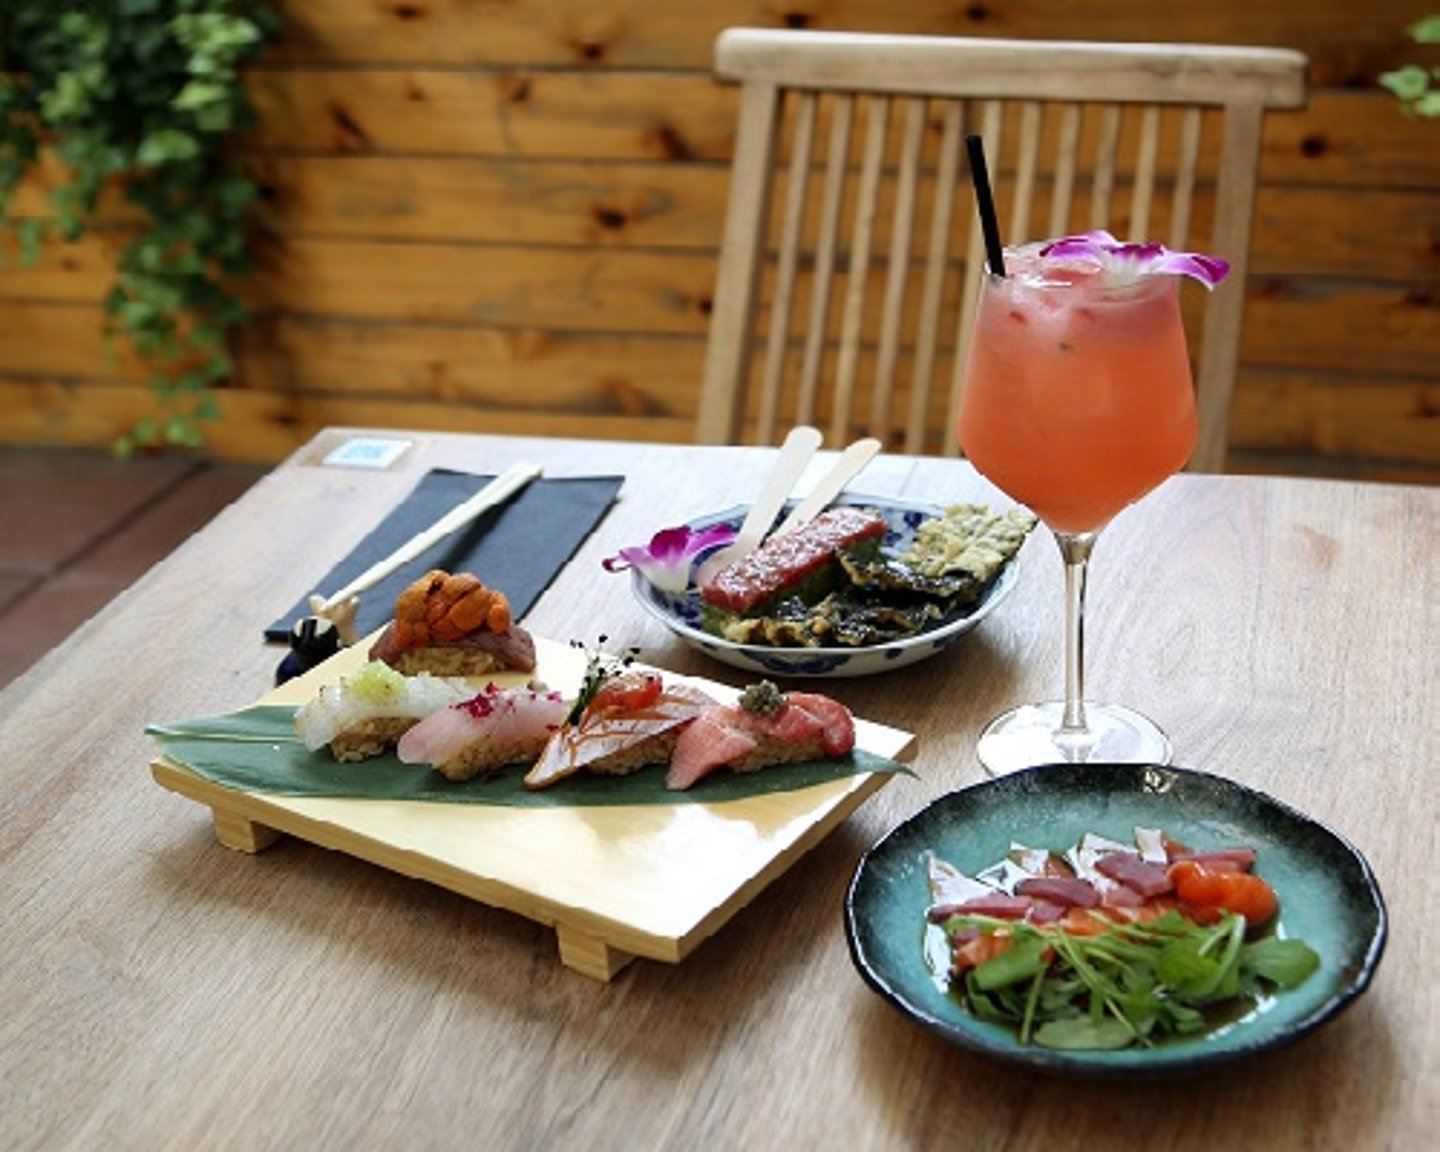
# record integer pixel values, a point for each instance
(503, 216)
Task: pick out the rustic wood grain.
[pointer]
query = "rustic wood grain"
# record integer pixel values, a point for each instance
(1345, 136)
(1303, 230)
(1304, 422)
(1350, 324)
(437, 186)
(656, 116)
(1325, 424)
(266, 425)
(444, 177)
(635, 33)
(163, 992)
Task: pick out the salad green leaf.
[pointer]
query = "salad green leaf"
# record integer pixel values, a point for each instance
(1284, 963)
(1131, 984)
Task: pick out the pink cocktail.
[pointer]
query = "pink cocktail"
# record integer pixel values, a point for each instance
(1078, 400)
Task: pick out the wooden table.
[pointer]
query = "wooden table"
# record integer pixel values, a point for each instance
(160, 991)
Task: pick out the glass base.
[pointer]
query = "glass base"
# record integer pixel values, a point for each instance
(1031, 734)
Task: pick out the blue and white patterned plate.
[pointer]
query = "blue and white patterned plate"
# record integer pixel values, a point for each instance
(681, 612)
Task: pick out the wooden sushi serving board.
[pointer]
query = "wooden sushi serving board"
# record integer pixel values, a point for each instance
(614, 882)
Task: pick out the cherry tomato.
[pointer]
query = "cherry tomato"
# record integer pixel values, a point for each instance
(628, 691)
(978, 949)
(1240, 892)
(1084, 922)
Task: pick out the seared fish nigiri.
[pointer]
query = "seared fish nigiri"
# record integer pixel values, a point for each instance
(633, 719)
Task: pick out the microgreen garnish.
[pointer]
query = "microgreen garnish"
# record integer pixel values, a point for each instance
(1133, 984)
(600, 667)
(762, 699)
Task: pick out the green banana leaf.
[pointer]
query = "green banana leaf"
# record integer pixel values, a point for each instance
(257, 750)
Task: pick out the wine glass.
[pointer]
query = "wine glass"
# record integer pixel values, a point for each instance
(1078, 400)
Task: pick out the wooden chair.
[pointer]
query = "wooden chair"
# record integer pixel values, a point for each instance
(849, 150)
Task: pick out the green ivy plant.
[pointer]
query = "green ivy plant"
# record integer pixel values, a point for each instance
(1416, 87)
(145, 97)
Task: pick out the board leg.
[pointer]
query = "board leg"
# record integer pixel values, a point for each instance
(235, 831)
(589, 954)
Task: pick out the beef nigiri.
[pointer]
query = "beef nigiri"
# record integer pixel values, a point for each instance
(483, 734)
(633, 719)
(766, 727)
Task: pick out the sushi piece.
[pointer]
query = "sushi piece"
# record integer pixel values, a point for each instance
(453, 625)
(632, 719)
(483, 734)
(368, 711)
(766, 727)
(801, 563)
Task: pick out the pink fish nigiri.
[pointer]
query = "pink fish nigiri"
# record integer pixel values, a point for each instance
(496, 727)
(767, 727)
(633, 720)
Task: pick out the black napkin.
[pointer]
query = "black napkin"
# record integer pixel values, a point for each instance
(518, 547)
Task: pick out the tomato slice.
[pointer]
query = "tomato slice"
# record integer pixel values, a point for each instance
(628, 692)
(978, 949)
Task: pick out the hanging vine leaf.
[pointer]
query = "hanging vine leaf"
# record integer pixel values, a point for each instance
(1417, 88)
(143, 97)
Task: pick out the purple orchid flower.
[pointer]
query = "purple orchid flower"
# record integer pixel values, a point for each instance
(666, 561)
(1129, 262)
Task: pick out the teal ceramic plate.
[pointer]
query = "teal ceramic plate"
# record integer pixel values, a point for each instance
(1328, 898)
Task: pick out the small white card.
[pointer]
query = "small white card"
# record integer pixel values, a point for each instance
(366, 452)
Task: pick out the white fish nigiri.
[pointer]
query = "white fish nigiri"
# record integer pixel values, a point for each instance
(367, 711)
(485, 732)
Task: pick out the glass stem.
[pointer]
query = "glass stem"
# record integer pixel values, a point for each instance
(1075, 551)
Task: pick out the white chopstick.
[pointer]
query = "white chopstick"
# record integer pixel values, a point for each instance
(496, 492)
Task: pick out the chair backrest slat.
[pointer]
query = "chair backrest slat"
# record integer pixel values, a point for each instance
(1220, 338)
(727, 362)
(1066, 156)
(839, 151)
(869, 282)
(1026, 162)
(1192, 121)
(901, 230)
(791, 227)
(1102, 186)
(936, 266)
(855, 285)
(1144, 189)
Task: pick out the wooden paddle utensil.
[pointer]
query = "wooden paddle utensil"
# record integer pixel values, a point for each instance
(800, 446)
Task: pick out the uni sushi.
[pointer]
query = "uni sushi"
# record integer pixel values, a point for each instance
(453, 625)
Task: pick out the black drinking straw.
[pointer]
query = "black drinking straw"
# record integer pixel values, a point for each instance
(985, 202)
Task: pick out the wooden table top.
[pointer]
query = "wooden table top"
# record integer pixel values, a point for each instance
(160, 991)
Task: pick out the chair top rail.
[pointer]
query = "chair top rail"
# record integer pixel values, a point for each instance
(994, 68)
